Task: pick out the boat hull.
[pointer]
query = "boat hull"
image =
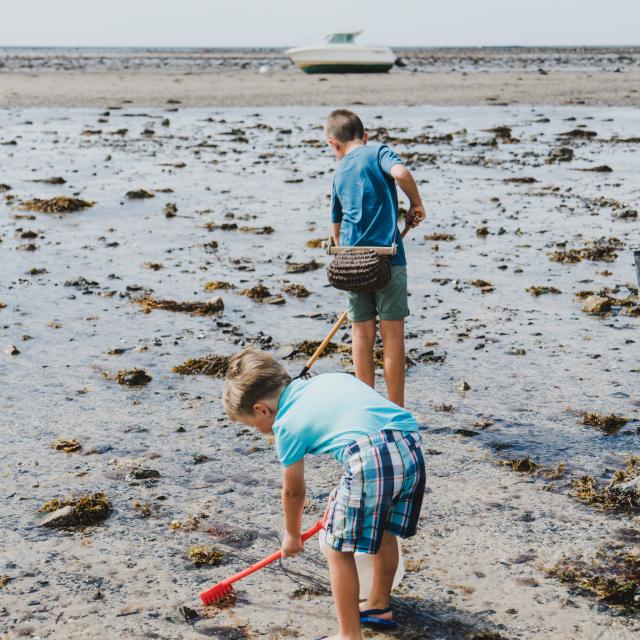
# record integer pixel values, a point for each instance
(347, 67)
(342, 58)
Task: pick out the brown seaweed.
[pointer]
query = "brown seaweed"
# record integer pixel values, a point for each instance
(139, 194)
(133, 377)
(309, 592)
(308, 348)
(440, 237)
(608, 423)
(597, 250)
(203, 555)
(212, 365)
(613, 576)
(521, 465)
(68, 446)
(609, 497)
(302, 267)
(211, 307)
(72, 512)
(214, 285)
(297, 290)
(257, 230)
(143, 508)
(260, 293)
(483, 285)
(61, 204)
(542, 290)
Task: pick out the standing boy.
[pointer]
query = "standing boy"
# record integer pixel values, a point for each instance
(380, 494)
(364, 212)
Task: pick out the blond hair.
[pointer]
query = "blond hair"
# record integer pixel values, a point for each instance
(344, 126)
(252, 376)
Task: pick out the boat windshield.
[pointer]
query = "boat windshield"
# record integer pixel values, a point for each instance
(340, 38)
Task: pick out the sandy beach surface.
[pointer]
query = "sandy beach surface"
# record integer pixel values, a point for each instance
(200, 78)
(517, 197)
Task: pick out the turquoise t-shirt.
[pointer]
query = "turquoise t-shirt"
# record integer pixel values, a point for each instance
(365, 200)
(326, 413)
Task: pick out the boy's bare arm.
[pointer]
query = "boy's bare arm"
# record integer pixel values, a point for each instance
(335, 232)
(293, 496)
(405, 181)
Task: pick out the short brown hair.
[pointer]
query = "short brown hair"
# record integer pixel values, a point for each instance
(344, 126)
(252, 376)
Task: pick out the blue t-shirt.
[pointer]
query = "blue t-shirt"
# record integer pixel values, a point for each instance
(326, 413)
(364, 199)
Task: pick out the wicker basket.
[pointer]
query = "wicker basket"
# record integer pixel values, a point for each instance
(359, 270)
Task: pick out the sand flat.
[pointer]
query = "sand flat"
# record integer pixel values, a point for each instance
(282, 88)
(488, 534)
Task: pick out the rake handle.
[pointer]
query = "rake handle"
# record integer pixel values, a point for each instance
(339, 322)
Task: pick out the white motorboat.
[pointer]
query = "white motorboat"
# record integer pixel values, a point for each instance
(339, 53)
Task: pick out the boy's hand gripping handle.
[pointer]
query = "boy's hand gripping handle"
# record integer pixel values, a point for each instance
(274, 556)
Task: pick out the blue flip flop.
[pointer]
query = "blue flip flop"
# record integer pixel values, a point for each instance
(370, 616)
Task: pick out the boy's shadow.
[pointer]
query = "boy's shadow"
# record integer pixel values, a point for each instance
(418, 619)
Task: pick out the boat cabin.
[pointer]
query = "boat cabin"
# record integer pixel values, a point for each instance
(342, 38)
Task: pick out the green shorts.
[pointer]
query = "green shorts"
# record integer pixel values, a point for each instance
(389, 303)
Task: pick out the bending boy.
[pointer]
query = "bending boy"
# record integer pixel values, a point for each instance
(364, 211)
(380, 494)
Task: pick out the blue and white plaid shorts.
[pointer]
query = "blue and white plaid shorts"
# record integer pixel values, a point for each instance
(381, 490)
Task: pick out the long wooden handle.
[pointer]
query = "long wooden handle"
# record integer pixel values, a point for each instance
(323, 345)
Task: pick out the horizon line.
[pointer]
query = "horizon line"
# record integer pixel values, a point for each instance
(273, 46)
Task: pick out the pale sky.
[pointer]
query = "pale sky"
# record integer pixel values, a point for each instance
(227, 23)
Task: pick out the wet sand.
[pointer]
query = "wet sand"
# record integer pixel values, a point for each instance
(489, 535)
(291, 87)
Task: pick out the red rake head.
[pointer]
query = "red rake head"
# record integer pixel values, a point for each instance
(215, 593)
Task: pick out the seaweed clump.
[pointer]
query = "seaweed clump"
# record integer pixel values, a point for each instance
(75, 512)
(308, 592)
(603, 250)
(621, 495)
(139, 194)
(203, 555)
(440, 237)
(212, 365)
(613, 576)
(214, 285)
(521, 465)
(298, 290)
(133, 377)
(608, 423)
(68, 446)
(483, 285)
(211, 307)
(260, 293)
(60, 204)
(302, 267)
(143, 508)
(308, 348)
(542, 290)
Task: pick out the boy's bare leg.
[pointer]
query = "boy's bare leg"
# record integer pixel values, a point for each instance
(392, 332)
(364, 337)
(345, 588)
(385, 564)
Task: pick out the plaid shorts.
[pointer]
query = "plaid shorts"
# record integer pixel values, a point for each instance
(381, 490)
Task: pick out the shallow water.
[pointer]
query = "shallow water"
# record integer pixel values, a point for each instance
(56, 385)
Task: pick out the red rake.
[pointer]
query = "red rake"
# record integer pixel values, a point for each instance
(223, 588)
